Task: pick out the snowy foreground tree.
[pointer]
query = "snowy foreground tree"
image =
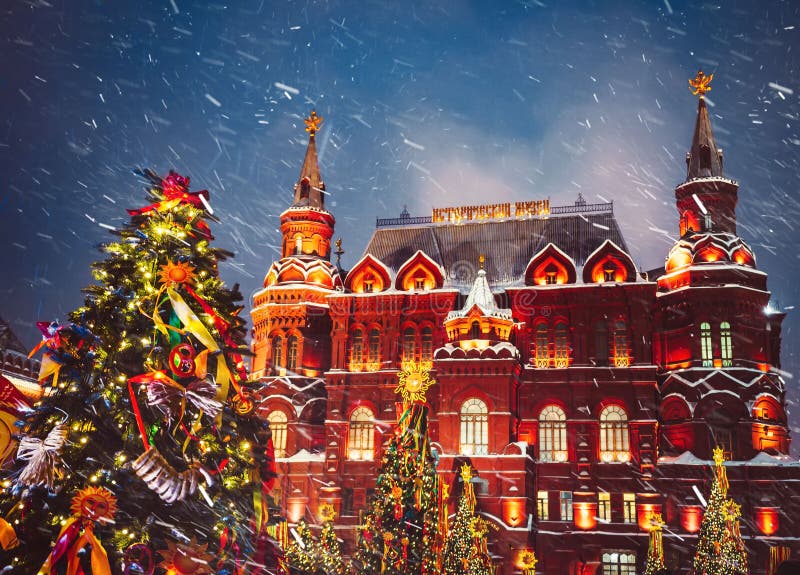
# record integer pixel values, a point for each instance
(145, 454)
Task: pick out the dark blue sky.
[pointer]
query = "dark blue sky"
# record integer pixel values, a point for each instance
(426, 103)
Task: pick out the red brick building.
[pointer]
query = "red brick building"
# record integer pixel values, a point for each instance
(586, 393)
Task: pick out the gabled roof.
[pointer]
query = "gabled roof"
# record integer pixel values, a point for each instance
(508, 245)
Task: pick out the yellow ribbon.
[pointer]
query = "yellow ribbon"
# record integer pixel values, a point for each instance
(99, 557)
(190, 320)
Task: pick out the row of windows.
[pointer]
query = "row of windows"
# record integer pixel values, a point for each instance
(725, 344)
(366, 353)
(551, 347)
(603, 507)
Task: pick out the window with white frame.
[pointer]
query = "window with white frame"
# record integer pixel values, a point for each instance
(277, 352)
(552, 434)
(357, 350)
(409, 344)
(706, 353)
(604, 507)
(566, 505)
(542, 506)
(278, 425)
(614, 444)
(725, 344)
(474, 428)
(619, 563)
(427, 344)
(292, 345)
(361, 435)
(374, 351)
(561, 344)
(629, 507)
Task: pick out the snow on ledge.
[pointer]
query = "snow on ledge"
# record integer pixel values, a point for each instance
(762, 459)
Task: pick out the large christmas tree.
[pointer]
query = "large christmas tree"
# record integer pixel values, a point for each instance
(399, 533)
(146, 453)
(465, 550)
(720, 549)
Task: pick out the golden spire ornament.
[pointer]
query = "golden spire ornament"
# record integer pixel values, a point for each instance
(313, 122)
(701, 84)
(413, 382)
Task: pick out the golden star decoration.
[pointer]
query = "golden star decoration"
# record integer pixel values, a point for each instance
(478, 528)
(656, 521)
(177, 273)
(313, 123)
(413, 382)
(701, 84)
(186, 558)
(719, 456)
(527, 560)
(466, 473)
(95, 503)
(327, 512)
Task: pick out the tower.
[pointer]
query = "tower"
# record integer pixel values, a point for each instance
(719, 342)
(291, 326)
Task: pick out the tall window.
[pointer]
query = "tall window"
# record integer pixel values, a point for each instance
(277, 352)
(551, 274)
(629, 507)
(614, 434)
(361, 435)
(542, 341)
(621, 348)
(278, 426)
(561, 337)
(566, 505)
(475, 330)
(474, 428)
(619, 563)
(427, 344)
(374, 358)
(604, 507)
(542, 506)
(601, 343)
(725, 344)
(552, 434)
(409, 344)
(705, 344)
(369, 283)
(357, 350)
(291, 353)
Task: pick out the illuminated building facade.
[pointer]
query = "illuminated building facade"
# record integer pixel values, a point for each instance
(587, 394)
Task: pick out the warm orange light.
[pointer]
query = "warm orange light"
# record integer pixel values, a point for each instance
(767, 520)
(514, 511)
(585, 514)
(764, 367)
(691, 517)
(679, 259)
(296, 507)
(644, 512)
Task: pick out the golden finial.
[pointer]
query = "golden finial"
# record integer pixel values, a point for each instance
(313, 123)
(656, 521)
(466, 473)
(701, 84)
(339, 252)
(327, 512)
(481, 260)
(719, 456)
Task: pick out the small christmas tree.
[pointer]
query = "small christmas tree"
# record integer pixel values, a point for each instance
(330, 552)
(148, 412)
(720, 549)
(655, 549)
(399, 534)
(300, 554)
(465, 550)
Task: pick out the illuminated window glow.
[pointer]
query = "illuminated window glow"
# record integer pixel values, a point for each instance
(277, 352)
(427, 344)
(291, 353)
(629, 507)
(619, 563)
(614, 434)
(278, 426)
(361, 435)
(374, 350)
(706, 353)
(552, 434)
(409, 344)
(474, 428)
(604, 507)
(565, 501)
(357, 351)
(725, 344)
(542, 506)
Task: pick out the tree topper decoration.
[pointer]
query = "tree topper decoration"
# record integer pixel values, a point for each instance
(413, 382)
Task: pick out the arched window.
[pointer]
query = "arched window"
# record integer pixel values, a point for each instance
(725, 344)
(374, 350)
(474, 428)
(427, 344)
(614, 434)
(561, 340)
(542, 342)
(601, 343)
(357, 350)
(361, 435)
(291, 353)
(278, 425)
(706, 353)
(552, 434)
(409, 344)
(277, 352)
(621, 347)
(475, 330)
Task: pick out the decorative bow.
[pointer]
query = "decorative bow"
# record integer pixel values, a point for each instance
(175, 190)
(63, 345)
(43, 457)
(172, 397)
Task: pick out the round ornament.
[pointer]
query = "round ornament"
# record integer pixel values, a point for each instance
(242, 404)
(138, 560)
(181, 360)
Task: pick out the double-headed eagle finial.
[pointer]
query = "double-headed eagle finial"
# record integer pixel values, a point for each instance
(313, 123)
(701, 84)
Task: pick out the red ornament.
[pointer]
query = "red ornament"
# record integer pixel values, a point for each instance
(181, 360)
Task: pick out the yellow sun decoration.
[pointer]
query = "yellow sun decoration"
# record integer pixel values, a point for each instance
(178, 273)
(413, 382)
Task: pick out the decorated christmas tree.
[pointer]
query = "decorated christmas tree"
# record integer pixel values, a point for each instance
(399, 533)
(720, 549)
(655, 549)
(465, 550)
(330, 551)
(301, 554)
(308, 555)
(145, 454)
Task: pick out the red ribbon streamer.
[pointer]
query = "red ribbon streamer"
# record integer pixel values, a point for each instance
(138, 414)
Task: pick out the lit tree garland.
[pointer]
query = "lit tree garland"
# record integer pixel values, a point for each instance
(399, 534)
(720, 549)
(465, 550)
(655, 550)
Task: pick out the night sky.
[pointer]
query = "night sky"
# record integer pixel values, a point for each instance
(425, 104)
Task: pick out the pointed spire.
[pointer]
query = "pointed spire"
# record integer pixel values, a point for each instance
(310, 189)
(705, 159)
(482, 296)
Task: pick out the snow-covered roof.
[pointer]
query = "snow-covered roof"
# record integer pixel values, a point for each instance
(481, 296)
